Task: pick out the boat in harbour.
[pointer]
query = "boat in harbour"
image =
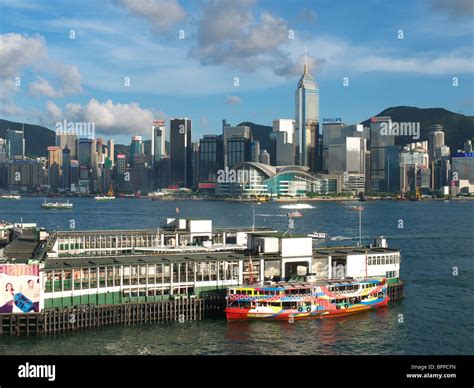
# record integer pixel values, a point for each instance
(319, 235)
(294, 214)
(57, 205)
(260, 199)
(104, 198)
(109, 197)
(297, 206)
(296, 300)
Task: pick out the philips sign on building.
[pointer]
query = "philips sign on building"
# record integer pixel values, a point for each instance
(332, 120)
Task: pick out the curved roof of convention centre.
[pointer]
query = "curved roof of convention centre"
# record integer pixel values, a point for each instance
(271, 171)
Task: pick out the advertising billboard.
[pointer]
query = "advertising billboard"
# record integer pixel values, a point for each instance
(19, 288)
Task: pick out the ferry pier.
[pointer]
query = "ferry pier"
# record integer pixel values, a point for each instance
(177, 272)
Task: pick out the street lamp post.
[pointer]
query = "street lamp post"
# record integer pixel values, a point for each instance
(253, 215)
(359, 209)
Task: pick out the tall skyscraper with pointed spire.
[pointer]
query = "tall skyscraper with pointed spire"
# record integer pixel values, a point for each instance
(307, 121)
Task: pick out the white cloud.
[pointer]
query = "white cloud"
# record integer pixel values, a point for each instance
(54, 112)
(20, 52)
(109, 118)
(112, 118)
(455, 62)
(16, 53)
(9, 108)
(288, 68)
(67, 77)
(22, 5)
(84, 27)
(42, 87)
(161, 14)
(228, 33)
(340, 58)
(456, 8)
(48, 116)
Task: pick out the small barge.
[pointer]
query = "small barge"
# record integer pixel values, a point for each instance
(8, 196)
(104, 198)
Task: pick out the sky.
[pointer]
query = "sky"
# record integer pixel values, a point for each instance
(122, 63)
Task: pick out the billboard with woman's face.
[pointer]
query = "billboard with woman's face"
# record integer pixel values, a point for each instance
(19, 288)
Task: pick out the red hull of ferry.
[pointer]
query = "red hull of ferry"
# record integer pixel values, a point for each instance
(236, 313)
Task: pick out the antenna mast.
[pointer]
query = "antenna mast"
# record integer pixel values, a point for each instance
(306, 58)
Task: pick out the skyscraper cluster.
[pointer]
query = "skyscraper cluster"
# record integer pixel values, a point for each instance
(292, 157)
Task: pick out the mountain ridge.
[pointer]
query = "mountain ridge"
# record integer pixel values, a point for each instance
(457, 127)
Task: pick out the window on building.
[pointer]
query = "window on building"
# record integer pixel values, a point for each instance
(142, 278)
(126, 275)
(102, 271)
(49, 282)
(93, 277)
(166, 273)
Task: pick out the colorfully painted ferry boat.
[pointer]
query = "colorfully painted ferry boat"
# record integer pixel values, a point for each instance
(306, 300)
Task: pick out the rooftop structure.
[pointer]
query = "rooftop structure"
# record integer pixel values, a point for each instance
(182, 257)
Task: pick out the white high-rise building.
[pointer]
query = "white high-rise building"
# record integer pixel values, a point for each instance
(285, 125)
(307, 121)
(435, 139)
(158, 139)
(111, 150)
(283, 136)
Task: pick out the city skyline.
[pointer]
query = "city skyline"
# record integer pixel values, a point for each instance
(236, 178)
(428, 58)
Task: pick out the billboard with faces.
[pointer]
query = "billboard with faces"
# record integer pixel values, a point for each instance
(19, 288)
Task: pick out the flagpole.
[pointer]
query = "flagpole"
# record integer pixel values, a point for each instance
(366, 266)
(253, 216)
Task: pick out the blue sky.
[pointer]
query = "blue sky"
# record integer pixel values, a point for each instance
(83, 79)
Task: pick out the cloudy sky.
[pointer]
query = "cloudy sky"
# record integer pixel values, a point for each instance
(122, 63)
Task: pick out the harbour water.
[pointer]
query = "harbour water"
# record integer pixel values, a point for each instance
(435, 317)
